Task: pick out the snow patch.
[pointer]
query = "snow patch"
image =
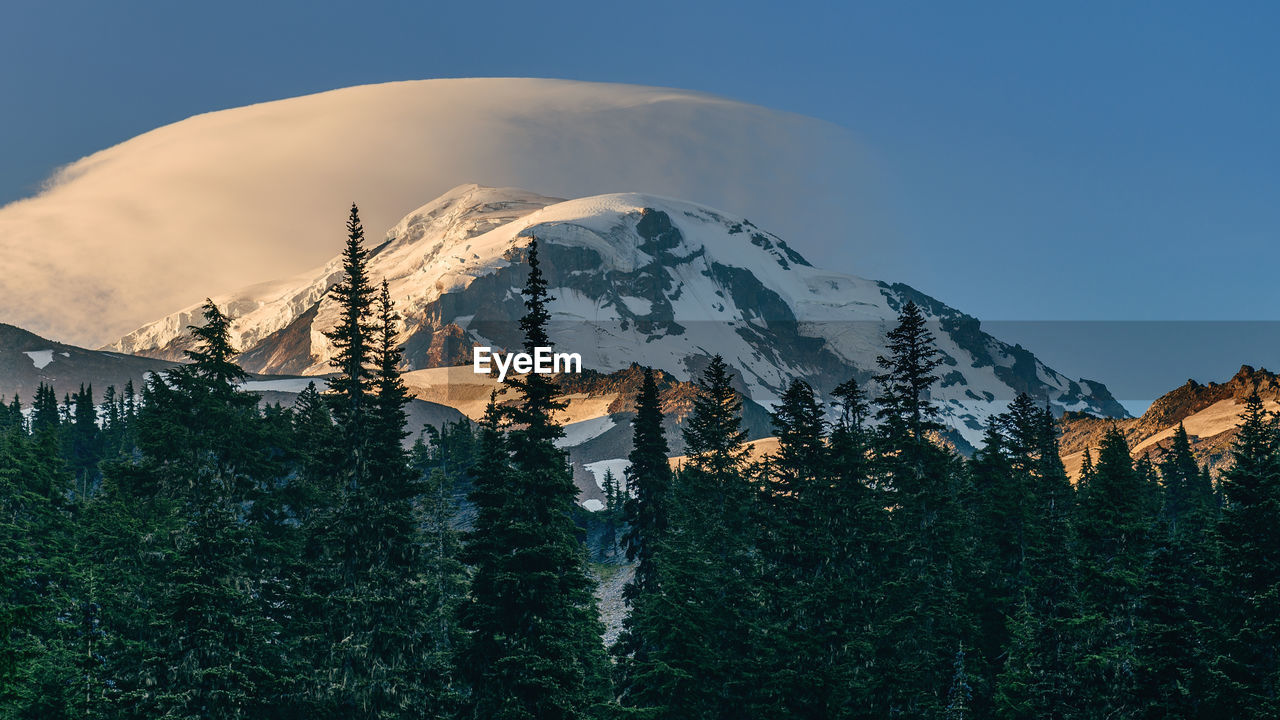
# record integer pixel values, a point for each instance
(593, 505)
(289, 385)
(577, 433)
(637, 306)
(600, 467)
(40, 358)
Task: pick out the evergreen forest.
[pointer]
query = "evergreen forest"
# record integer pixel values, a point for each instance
(184, 550)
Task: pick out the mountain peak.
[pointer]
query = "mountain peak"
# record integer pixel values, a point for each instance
(466, 211)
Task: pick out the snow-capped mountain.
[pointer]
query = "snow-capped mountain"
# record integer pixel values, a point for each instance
(246, 195)
(635, 279)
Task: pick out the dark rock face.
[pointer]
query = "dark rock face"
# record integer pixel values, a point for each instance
(286, 351)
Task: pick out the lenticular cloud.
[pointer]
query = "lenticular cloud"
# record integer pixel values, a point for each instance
(229, 198)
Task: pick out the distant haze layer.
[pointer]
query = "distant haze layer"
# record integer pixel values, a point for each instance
(230, 198)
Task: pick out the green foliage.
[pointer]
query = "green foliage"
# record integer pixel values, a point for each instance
(194, 553)
(1249, 589)
(647, 514)
(1038, 611)
(368, 582)
(908, 375)
(929, 559)
(700, 663)
(1115, 531)
(533, 647)
(352, 340)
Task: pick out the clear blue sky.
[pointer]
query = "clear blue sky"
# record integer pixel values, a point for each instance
(1050, 161)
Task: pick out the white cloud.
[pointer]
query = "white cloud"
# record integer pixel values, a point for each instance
(225, 199)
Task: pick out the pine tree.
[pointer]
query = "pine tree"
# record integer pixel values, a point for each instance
(1035, 677)
(700, 663)
(857, 530)
(609, 518)
(83, 442)
(377, 601)
(313, 498)
(44, 411)
(484, 548)
(1001, 508)
(201, 439)
(1187, 490)
(1086, 472)
(647, 512)
(124, 552)
(317, 453)
(36, 662)
(647, 508)
(1249, 536)
(796, 673)
(960, 694)
(1114, 527)
(930, 555)
(908, 375)
(352, 340)
(213, 359)
(533, 647)
(443, 575)
(116, 435)
(1174, 676)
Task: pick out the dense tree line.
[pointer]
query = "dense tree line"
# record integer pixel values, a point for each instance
(185, 551)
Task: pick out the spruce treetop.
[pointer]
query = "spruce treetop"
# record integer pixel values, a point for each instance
(538, 392)
(648, 477)
(908, 374)
(214, 356)
(853, 404)
(353, 335)
(713, 431)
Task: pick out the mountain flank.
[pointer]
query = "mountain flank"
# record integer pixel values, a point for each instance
(1210, 413)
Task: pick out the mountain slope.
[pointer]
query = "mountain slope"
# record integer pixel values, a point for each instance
(635, 278)
(27, 360)
(1209, 412)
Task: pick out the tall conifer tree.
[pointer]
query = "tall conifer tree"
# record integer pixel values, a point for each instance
(200, 435)
(1115, 528)
(930, 555)
(648, 478)
(798, 665)
(376, 605)
(1250, 549)
(1035, 673)
(534, 648)
(648, 518)
(1174, 675)
(702, 667)
(443, 584)
(353, 339)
